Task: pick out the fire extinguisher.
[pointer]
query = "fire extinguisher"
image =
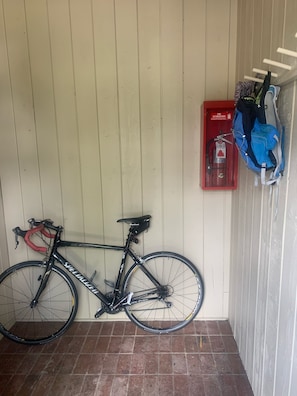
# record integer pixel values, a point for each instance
(219, 164)
(216, 161)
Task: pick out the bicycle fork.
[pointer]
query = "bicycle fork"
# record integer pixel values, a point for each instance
(43, 279)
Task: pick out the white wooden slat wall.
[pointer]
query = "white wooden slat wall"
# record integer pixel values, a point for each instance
(100, 119)
(263, 280)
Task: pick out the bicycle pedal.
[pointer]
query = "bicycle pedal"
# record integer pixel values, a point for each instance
(109, 283)
(100, 312)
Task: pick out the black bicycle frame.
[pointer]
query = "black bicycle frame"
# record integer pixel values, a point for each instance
(88, 283)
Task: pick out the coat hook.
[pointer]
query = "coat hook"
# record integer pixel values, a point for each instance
(277, 64)
(287, 52)
(260, 71)
(253, 79)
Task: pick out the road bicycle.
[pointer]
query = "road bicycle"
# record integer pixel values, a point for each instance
(160, 292)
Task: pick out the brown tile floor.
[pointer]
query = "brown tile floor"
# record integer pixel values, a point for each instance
(116, 358)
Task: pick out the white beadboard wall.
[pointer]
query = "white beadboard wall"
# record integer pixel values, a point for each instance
(263, 281)
(100, 119)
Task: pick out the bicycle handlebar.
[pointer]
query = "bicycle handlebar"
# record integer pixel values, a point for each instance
(37, 226)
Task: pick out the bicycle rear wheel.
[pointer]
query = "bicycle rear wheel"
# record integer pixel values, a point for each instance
(52, 315)
(173, 303)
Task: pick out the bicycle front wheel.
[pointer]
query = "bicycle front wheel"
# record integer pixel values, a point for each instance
(167, 292)
(28, 323)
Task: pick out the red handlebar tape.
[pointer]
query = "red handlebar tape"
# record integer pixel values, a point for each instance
(29, 233)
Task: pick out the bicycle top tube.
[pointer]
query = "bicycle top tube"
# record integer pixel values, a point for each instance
(64, 243)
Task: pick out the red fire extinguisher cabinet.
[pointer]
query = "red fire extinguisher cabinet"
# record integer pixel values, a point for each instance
(219, 157)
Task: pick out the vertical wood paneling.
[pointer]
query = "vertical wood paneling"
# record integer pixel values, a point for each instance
(66, 116)
(44, 109)
(150, 116)
(287, 303)
(109, 136)
(278, 11)
(67, 129)
(128, 88)
(4, 260)
(171, 34)
(232, 47)
(87, 126)
(217, 49)
(100, 111)
(9, 162)
(264, 315)
(215, 205)
(194, 91)
(21, 91)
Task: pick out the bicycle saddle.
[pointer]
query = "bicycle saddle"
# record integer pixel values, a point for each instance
(135, 221)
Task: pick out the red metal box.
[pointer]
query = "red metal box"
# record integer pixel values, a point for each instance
(219, 157)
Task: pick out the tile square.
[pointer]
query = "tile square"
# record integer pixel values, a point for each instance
(213, 327)
(178, 343)
(146, 344)
(90, 385)
(137, 363)
(212, 386)
(96, 363)
(217, 344)
(179, 364)
(165, 363)
(102, 344)
(119, 328)
(120, 386)
(200, 327)
(10, 363)
(243, 386)
(114, 344)
(181, 385)
(225, 327)
(166, 385)
(207, 364)
(228, 384)
(196, 386)
(107, 328)
(151, 364)
(165, 343)
(130, 328)
(151, 385)
(124, 363)
(104, 385)
(230, 344)
(135, 387)
(191, 343)
(95, 328)
(110, 362)
(127, 345)
(89, 345)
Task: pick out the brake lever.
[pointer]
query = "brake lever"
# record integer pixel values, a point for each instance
(18, 232)
(16, 241)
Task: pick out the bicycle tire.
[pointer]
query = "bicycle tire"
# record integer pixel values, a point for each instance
(171, 307)
(54, 312)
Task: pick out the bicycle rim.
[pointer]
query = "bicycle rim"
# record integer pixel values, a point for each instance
(171, 306)
(54, 312)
